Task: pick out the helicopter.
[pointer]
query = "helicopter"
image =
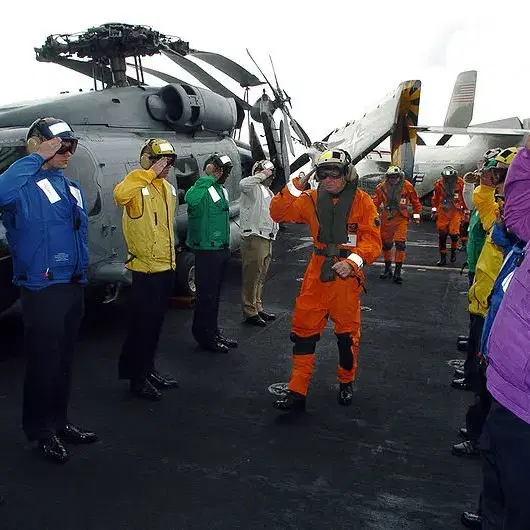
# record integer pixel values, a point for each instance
(114, 119)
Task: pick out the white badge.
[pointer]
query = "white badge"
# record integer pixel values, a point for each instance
(173, 190)
(403, 200)
(456, 196)
(352, 240)
(77, 194)
(145, 191)
(213, 194)
(225, 193)
(46, 186)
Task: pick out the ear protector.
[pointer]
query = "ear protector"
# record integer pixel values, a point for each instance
(154, 148)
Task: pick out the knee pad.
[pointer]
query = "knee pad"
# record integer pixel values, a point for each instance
(304, 344)
(345, 342)
(387, 245)
(400, 245)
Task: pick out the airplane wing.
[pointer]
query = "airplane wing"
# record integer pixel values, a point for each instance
(395, 116)
(472, 131)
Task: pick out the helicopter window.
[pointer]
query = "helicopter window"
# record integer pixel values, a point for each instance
(82, 169)
(186, 173)
(8, 155)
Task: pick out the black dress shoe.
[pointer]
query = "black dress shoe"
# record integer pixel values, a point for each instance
(292, 402)
(216, 346)
(256, 320)
(52, 450)
(467, 448)
(266, 316)
(461, 384)
(345, 394)
(72, 434)
(161, 382)
(471, 520)
(231, 343)
(145, 390)
(458, 373)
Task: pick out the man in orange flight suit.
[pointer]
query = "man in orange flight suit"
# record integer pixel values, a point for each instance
(394, 195)
(345, 228)
(448, 210)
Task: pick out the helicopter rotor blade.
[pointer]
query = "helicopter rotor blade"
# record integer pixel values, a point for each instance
(283, 168)
(287, 131)
(264, 76)
(204, 77)
(228, 67)
(301, 161)
(256, 148)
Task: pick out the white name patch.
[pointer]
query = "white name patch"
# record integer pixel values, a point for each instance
(46, 186)
(225, 193)
(78, 197)
(145, 191)
(213, 194)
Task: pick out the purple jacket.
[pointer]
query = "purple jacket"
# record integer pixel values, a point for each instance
(509, 342)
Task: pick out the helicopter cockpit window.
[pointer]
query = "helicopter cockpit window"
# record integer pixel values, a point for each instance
(186, 173)
(82, 169)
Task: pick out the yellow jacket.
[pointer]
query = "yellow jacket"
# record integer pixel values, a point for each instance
(490, 260)
(148, 213)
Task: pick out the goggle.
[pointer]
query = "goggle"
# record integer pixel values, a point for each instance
(67, 145)
(331, 172)
(171, 158)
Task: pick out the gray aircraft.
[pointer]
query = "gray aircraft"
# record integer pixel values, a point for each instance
(430, 160)
(114, 120)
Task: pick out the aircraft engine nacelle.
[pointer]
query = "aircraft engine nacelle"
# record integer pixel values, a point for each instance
(187, 108)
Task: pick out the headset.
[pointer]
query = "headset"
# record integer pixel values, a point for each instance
(220, 161)
(43, 129)
(154, 148)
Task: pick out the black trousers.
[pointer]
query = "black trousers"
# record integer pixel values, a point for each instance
(52, 317)
(505, 445)
(210, 268)
(150, 294)
(476, 324)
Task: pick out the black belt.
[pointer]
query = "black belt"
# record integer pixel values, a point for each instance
(343, 253)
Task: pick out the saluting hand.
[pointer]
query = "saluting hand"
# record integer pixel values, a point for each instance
(48, 148)
(160, 165)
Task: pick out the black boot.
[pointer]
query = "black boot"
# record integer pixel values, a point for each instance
(453, 255)
(291, 402)
(397, 273)
(387, 273)
(345, 394)
(443, 260)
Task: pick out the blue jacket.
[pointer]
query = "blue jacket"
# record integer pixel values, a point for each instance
(46, 224)
(512, 249)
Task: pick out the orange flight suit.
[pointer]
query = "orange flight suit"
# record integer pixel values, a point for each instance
(338, 299)
(450, 211)
(394, 223)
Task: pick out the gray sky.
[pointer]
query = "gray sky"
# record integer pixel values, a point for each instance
(335, 60)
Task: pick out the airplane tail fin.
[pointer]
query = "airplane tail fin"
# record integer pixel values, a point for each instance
(460, 110)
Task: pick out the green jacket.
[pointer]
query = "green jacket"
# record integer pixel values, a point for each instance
(208, 216)
(475, 242)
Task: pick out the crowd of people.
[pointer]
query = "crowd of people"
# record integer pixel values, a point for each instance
(350, 230)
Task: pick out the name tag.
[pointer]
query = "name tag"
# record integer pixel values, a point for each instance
(213, 194)
(403, 200)
(46, 186)
(78, 197)
(456, 196)
(225, 193)
(173, 191)
(145, 191)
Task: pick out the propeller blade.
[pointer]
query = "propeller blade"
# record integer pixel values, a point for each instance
(283, 168)
(256, 148)
(288, 132)
(228, 67)
(301, 161)
(264, 76)
(160, 75)
(204, 77)
(102, 73)
(300, 132)
(444, 139)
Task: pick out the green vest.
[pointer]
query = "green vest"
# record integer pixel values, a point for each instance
(208, 216)
(475, 242)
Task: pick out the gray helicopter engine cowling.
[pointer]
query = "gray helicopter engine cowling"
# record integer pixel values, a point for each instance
(188, 108)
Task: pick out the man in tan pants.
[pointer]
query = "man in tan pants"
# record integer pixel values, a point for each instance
(258, 231)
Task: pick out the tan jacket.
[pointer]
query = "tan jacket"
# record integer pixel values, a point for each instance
(148, 214)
